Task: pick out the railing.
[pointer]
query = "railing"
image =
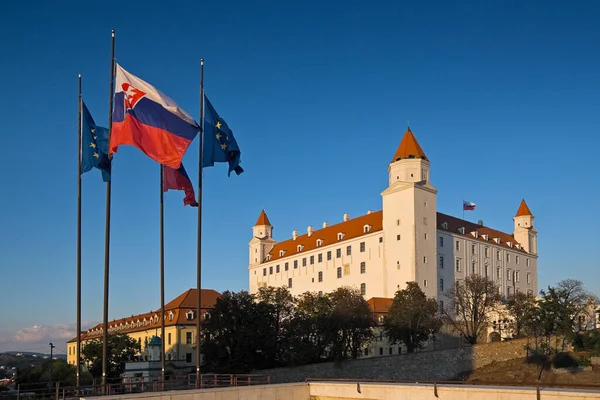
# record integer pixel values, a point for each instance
(130, 385)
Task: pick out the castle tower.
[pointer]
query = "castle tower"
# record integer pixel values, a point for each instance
(524, 231)
(262, 239)
(409, 221)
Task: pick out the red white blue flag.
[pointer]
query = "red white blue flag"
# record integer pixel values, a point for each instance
(145, 118)
(468, 206)
(177, 179)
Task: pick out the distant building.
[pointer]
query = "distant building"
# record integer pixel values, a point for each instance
(180, 329)
(408, 240)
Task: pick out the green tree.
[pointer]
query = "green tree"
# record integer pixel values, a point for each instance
(308, 334)
(239, 334)
(472, 302)
(279, 304)
(412, 317)
(350, 322)
(520, 308)
(121, 348)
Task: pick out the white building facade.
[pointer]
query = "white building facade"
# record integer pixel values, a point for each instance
(408, 240)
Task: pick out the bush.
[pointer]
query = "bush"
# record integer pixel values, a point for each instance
(564, 360)
(585, 362)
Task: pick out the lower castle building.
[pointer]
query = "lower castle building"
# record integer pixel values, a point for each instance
(180, 328)
(407, 240)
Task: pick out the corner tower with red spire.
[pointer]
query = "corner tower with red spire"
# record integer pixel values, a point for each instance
(262, 239)
(524, 231)
(409, 220)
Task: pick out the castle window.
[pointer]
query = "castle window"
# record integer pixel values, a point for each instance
(264, 272)
(363, 289)
(362, 247)
(473, 267)
(188, 338)
(295, 264)
(348, 250)
(304, 262)
(271, 270)
(366, 228)
(329, 256)
(472, 249)
(300, 248)
(426, 236)
(498, 255)
(277, 268)
(528, 278)
(268, 257)
(457, 245)
(441, 284)
(363, 267)
(286, 266)
(499, 273)
(281, 253)
(516, 259)
(517, 276)
(508, 291)
(507, 257)
(508, 274)
(398, 222)
(189, 315)
(320, 257)
(486, 252)
(338, 253)
(312, 260)
(425, 283)
(441, 262)
(339, 272)
(381, 239)
(290, 283)
(441, 306)
(319, 242)
(425, 260)
(527, 262)
(340, 236)
(444, 225)
(171, 316)
(398, 237)
(320, 276)
(462, 230)
(441, 241)
(458, 265)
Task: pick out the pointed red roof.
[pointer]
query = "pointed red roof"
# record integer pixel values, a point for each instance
(523, 209)
(262, 219)
(409, 148)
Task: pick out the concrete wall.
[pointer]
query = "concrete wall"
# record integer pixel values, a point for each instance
(431, 365)
(347, 391)
(366, 391)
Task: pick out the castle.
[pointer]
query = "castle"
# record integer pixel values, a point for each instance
(407, 240)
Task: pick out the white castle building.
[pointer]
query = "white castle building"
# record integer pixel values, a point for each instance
(408, 240)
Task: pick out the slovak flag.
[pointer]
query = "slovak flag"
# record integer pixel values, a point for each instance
(145, 118)
(468, 206)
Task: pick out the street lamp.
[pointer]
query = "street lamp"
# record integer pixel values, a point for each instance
(51, 352)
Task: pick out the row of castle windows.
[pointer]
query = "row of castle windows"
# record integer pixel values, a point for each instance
(486, 251)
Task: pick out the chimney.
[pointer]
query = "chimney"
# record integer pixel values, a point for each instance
(310, 230)
(294, 235)
(346, 217)
(369, 212)
(325, 224)
(480, 222)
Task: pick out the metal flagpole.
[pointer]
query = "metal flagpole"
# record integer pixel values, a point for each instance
(162, 278)
(107, 224)
(199, 254)
(463, 207)
(78, 349)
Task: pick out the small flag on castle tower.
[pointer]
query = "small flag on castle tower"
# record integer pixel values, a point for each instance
(468, 206)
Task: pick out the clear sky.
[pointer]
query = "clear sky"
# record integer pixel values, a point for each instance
(502, 96)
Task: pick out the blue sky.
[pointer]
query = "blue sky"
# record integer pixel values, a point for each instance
(502, 96)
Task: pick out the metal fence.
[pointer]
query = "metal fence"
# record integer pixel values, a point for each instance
(64, 391)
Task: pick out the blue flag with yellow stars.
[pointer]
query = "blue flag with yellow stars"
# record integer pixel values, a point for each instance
(219, 143)
(94, 146)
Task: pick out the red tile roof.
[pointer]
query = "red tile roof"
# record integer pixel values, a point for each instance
(380, 304)
(178, 306)
(523, 209)
(454, 224)
(351, 229)
(409, 148)
(262, 219)
(355, 227)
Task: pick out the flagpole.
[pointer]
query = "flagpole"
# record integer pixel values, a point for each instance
(162, 278)
(463, 207)
(78, 349)
(199, 246)
(107, 225)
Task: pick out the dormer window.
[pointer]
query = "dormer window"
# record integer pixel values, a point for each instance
(268, 257)
(485, 236)
(510, 244)
(171, 316)
(299, 248)
(319, 242)
(156, 319)
(189, 315)
(475, 234)
(444, 225)
(518, 246)
(340, 236)
(497, 240)
(281, 253)
(366, 228)
(461, 230)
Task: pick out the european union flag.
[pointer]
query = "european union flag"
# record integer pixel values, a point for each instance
(219, 143)
(94, 146)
